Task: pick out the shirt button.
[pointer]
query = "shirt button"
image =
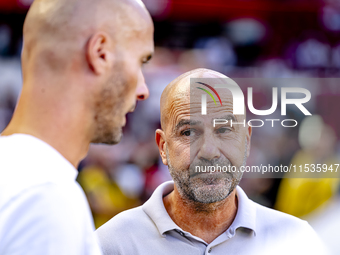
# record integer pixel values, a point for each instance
(209, 250)
(181, 233)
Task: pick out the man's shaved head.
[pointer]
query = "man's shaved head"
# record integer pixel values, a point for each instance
(55, 30)
(180, 88)
(82, 70)
(91, 49)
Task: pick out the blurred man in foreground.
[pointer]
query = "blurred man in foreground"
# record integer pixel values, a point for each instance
(81, 64)
(204, 212)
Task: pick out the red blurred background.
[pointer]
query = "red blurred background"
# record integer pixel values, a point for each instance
(276, 39)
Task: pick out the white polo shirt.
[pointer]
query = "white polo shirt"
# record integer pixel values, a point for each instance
(43, 210)
(149, 230)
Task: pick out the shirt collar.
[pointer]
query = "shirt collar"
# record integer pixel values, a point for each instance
(155, 209)
(246, 213)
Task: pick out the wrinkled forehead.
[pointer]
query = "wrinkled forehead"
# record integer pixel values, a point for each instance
(187, 99)
(185, 95)
(195, 91)
(209, 82)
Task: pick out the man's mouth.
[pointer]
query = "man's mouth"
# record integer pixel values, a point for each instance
(132, 109)
(208, 175)
(209, 179)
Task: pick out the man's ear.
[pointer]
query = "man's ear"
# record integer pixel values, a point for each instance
(98, 53)
(248, 137)
(160, 141)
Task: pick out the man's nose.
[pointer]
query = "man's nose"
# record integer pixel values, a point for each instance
(142, 91)
(209, 149)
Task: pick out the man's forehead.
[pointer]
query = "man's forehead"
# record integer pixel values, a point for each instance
(184, 108)
(189, 98)
(194, 119)
(187, 90)
(183, 96)
(197, 90)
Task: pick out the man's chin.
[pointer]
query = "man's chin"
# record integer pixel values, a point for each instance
(109, 138)
(212, 187)
(210, 190)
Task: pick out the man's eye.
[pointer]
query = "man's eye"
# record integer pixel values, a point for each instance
(187, 132)
(222, 130)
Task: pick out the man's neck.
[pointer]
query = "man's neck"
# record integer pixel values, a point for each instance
(61, 131)
(206, 221)
(73, 156)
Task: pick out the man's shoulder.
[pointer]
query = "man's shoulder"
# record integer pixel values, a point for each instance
(48, 196)
(134, 219)
(19, 166)
(272, 222)
(27, 165)
(269, 216)
(266, 219)
(123, 234)
(286, 232)
(55, 216)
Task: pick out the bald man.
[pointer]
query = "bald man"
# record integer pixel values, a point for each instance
(204, 212)
(81, 65)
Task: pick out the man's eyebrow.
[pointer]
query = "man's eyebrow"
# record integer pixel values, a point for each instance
(184, 122)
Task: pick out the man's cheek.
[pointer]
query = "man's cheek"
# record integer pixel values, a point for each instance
(231, 153)
(186, 157)
(131, 71)
(183, 157)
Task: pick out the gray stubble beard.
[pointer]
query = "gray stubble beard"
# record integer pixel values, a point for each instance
(200, 190)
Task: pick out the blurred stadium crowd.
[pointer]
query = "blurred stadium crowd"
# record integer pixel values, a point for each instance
(279, 41)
